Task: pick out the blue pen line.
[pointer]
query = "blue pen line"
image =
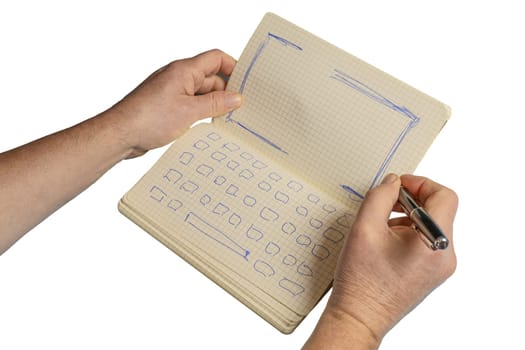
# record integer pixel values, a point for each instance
(349, 81)
(285, 42)
(255, 57)
(371, 93)
(367, 91)
(252, 63)
(215, 234)
(247, 74)
(352, 191)
(261, 137)
(390, 154)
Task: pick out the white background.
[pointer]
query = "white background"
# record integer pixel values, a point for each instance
(87, 278)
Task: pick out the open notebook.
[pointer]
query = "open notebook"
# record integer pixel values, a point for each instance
(261, 199)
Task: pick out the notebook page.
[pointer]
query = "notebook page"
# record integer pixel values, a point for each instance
(230, 206)
(326, 115)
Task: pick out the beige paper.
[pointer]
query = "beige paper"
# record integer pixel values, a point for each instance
(261, 199)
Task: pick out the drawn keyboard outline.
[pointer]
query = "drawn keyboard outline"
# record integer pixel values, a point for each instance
(215, 234)
(311, 227)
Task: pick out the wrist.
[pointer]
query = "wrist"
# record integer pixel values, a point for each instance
(121, 128)
(338, 329)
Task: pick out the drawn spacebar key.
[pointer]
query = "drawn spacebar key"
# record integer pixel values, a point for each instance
(215, 234)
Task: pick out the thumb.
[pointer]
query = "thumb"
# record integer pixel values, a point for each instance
(379, 201)
(216, 103)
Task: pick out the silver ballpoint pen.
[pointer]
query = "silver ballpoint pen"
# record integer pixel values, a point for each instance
(429, 231)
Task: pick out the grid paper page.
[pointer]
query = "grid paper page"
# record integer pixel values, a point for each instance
(261, 199)
(229, 204)
(321, 112)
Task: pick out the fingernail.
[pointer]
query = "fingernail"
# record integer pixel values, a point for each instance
(390, 178)
(232, 100)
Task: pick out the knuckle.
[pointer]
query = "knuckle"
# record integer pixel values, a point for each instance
(372, 192)
(215, 103)
(450, 195)
(454, 198)
(215, 52)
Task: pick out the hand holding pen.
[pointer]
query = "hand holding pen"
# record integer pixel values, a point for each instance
(431, 234)
(384, 270)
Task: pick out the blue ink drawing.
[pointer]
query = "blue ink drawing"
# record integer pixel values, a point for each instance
(348, 81)
(264, 268)
(216, 234)
(269, 38)
(367, 91)
(290, 286)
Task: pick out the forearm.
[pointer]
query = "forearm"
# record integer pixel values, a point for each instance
(338, 330)
(38, 178)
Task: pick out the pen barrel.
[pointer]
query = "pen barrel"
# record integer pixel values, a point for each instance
(429, 230)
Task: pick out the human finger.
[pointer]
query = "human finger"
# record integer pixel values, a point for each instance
(214, 103)
(379, 201)
(211, 83)
(439, 201)
(400, 221)
(213, 62)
